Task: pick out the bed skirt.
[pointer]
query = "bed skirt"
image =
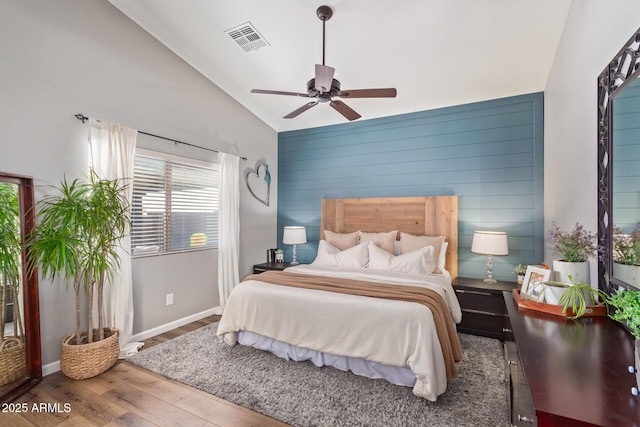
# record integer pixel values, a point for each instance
(394, 374)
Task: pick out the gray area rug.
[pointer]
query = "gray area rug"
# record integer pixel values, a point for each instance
(303, 395)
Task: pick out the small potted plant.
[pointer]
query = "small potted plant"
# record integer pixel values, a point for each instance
(626, 255)
(626, 304)
(575, 247)
(577, 296)
(520, 270)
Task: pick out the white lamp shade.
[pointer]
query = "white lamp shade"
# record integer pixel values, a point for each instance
(294, 235)
(489, 243)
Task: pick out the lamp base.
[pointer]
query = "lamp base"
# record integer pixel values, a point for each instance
(490, 278)
(294, 263)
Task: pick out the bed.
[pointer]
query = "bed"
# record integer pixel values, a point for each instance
(325, 313)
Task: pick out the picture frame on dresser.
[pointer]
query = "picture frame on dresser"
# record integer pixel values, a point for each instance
(534, 276)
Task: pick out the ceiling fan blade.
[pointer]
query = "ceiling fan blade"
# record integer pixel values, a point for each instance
(324, 78)
(345, 110)
(278, 92)
(300, 110)
(389, 92)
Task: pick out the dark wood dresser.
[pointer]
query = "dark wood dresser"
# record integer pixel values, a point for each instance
(574, 373)
(483, 309)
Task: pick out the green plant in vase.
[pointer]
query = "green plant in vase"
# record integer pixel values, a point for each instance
(520, 270)
(575, 248)
(12, 339)
(626, 247)
(10, 259)
(626, 304)
(75, 240)
(578, 296)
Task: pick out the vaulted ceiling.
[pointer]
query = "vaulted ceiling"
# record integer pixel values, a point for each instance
(437, 53)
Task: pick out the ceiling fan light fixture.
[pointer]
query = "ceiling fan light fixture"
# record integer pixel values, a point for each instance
(323, 87)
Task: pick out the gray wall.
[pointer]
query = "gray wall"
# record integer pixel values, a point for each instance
(84, 56)
(595, 31)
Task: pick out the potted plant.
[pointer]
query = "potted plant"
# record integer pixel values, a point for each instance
(75, 240)
(520, 270)
(626, 310)
(626, 255)
(626, 304)
(577, 296)
(12, 347)
(575, 247)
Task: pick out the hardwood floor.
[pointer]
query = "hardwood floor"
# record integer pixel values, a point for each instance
(127, 395)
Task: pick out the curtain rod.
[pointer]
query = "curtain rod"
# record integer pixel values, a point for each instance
(84, 118)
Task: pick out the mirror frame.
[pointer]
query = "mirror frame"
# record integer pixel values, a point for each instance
(31, 309)
(623, 69)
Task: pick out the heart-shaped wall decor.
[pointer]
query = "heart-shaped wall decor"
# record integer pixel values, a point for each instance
(258, 181)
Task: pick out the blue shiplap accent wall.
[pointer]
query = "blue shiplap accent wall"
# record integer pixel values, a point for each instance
(489, 153)
(626, 157)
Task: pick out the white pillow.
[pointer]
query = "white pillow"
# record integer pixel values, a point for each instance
(442, 257)
(330, 256)
(420, 261)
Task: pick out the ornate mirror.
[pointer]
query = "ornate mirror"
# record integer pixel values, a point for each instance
(619, 169)
(20, 356)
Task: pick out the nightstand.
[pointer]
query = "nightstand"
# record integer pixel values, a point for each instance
(483, 308)
(266, 266)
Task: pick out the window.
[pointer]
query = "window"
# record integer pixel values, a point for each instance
(175, 204)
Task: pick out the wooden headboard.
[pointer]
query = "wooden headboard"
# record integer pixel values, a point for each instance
(428, 216)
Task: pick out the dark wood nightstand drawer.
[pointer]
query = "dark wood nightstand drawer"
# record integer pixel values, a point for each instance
(483, 309)
(483, 324)
(483, 301)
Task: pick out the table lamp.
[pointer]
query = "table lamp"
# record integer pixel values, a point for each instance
(294, 235)
(489, 243)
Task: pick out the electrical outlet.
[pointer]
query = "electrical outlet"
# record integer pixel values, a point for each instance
(169, 299)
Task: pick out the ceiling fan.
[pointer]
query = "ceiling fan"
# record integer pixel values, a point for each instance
(323, 88)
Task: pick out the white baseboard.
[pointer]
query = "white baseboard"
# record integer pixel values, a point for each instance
(172, 325)
(53, 367)
(50, 368)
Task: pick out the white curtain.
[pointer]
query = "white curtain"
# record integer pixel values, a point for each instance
(112, 148)
(228, 225)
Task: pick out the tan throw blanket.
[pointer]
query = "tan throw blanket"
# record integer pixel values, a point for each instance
(445, 327)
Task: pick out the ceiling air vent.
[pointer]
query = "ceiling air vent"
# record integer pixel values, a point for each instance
(247, 37)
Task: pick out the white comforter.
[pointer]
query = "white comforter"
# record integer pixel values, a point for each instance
(395, 333)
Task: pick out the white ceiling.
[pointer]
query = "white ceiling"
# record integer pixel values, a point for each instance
(437, 53)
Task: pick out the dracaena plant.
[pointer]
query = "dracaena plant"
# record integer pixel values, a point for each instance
(576, 245)
(76, 237)
(10, 258)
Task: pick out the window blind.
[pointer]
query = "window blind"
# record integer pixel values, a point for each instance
(175, 205)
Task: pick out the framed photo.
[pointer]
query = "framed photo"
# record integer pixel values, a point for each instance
(533, 278)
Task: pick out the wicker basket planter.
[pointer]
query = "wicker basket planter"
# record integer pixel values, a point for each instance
(83, 361)
(13, 363)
